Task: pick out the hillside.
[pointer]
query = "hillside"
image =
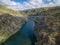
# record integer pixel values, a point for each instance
(42, 11)
(10, 22)
(10, 11)
(47, 25)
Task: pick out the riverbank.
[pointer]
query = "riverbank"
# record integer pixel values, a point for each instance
(24, 37)
(47, 29)
(13, 35)
(9, 25)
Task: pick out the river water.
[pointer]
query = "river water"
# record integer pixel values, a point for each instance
(24, 37)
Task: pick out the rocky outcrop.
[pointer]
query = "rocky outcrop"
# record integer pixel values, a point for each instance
(9, 25)
(47, 30)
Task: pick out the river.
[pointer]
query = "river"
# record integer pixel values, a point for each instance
(24, 37)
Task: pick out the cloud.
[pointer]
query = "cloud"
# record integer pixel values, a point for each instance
(29, 4)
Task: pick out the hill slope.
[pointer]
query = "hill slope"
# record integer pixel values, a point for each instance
(10, 22)
(47, 25)
(10, 11)
(42, 11)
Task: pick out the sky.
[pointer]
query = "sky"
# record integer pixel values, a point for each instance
(29, 4)
(21, 1)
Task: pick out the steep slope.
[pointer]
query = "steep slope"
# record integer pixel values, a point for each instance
(47, 24)
(10, 23)
(46, 30)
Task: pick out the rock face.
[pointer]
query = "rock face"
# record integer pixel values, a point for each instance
(9, 25)
(47, 30)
